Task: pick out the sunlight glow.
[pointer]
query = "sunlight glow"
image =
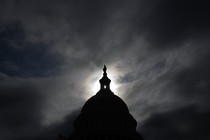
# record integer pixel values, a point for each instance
(93, 84)
(96, 84)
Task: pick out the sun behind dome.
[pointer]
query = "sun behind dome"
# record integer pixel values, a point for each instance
(105, 116)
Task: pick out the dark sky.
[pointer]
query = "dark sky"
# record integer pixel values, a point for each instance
(52, 53)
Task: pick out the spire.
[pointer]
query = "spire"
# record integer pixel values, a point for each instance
(104, 69)
(105, 81)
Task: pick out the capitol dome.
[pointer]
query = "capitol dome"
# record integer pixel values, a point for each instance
(105, 100)
(105, 116)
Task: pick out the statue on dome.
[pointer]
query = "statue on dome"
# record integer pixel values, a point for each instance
(104, 69)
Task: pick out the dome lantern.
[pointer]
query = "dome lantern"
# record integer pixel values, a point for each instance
(105, 81)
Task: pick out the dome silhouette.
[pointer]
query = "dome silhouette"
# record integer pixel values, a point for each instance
(106, 101)
(105, 116)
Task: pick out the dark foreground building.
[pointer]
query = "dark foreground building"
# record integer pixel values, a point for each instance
(105, 116)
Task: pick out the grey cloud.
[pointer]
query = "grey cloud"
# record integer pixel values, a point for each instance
(169, 23)
(24, 105)
(57, 45)
(183, 123)
(20, 110)
(193, 82)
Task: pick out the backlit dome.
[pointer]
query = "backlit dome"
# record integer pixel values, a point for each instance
(106, 100)
(105, 116)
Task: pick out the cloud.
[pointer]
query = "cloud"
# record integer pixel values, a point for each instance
(171, 23)
(25, 105)
(20, 56)
(20, 109)
(183, 123)
(193, 82)
(158, 50)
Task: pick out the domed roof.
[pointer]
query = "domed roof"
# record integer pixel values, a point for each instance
(105, 116)
(106, 100)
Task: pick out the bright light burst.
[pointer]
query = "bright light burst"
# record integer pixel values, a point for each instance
(93, 82)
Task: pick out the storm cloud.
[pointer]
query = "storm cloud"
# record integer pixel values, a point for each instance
(156, 51)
